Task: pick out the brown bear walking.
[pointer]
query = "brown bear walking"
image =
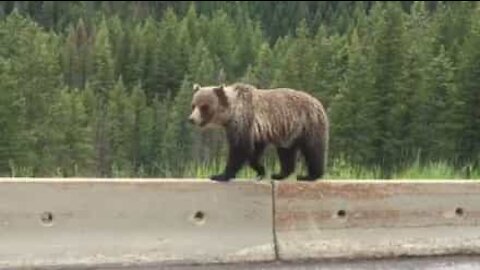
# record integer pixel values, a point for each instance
(253, 118)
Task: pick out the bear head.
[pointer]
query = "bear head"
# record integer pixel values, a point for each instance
(210, 106)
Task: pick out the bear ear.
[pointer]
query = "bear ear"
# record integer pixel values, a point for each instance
(196, 87)
(222, 97)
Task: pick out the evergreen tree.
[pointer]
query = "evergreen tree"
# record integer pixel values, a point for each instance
(142, 127)
(262, 71)
(441, 117)
(329, 56)
(77, 56)
(151, 77)
(388, 64)
(417, 56)
(103, 88)
(74, 144)
(249, 42)
(103, 78)
(351, 116)
(120, 126)
(102, 83)
(136, 57)
(178, 136)
(29, 59)
(13, 149)
(119, 43)
(221, 41)
(201, 64)
(160, 116)
(296, 70)
(168, 53)
(469, 87)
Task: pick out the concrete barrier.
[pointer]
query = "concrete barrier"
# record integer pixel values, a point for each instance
(376, 219)
(92, 222)
(118, 221)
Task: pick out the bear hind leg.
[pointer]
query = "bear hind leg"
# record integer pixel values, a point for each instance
(255, 162)
(314, 154)
(237, 156)
(287, 158)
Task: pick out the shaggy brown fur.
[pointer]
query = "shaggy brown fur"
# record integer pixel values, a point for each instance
(253, 118)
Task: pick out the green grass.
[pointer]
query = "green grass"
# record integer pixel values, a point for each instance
(475, 174)
(433, 170)
(338, 169)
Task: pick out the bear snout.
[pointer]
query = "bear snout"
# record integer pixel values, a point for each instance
(191, 120)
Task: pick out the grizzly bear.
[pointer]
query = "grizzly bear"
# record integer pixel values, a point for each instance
(290, 120)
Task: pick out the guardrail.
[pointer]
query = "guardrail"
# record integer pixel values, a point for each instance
(84, 222)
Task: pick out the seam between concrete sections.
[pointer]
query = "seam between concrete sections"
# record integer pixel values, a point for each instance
(274, 227)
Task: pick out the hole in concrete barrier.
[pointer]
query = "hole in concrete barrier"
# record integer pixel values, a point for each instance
(47, 218)
(459, 211)
(341, 213)
(199, 217)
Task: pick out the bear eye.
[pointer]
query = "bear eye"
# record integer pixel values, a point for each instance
(204, 107)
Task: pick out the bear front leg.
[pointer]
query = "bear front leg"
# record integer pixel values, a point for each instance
(237, 157)
(314, 152)
(259, 169)
(287, 158)
(255, 162)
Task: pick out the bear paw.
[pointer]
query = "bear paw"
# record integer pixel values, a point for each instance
(278, 176)
(306, 178)
(220, 178)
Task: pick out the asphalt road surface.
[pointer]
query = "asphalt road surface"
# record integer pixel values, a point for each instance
(430, 263)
